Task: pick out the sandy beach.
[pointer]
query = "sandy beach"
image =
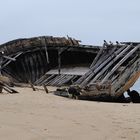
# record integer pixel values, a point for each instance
(36, 115)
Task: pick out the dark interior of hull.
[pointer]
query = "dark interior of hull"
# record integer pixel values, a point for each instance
(30, 66)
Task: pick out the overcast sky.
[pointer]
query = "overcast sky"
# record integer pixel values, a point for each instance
(91, 21)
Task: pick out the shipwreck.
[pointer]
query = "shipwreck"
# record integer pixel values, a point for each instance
(94, 72)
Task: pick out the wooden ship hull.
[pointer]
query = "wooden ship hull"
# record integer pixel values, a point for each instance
(98, 71)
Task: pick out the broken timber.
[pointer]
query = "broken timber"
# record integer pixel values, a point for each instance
(106, 71)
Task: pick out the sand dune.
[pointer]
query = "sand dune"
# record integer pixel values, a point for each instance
(39, 116)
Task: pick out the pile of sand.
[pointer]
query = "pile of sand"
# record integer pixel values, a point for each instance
(36, 115)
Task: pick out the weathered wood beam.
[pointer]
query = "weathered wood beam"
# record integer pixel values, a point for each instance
(33, 67)
(46, 79)
(111, 63)
(120, 63)
(104, 59)
(9, 58)
(28, 68)
(24, 71)
(42, 63)
(7, 88)
(45, 88)
(98, 56)
(59, 61)
(9, 61)
(46, 50)
(98, 67)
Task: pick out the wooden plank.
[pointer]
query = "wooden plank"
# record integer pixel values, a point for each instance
(46, 80)
(28, 69)
(111, 63)
(59, 83)
(63, 80)
(58, 80)
(25, 78)
(49, 82)
(105, 58)
(8, 89)
(98, 56)
(33, 67)
(38, 81)
(42, 63)
(120, 63)
(55, 80)
(9, 61)
(68, 79)
(37, 65)
(101, 66)
(44, 41)
(59, 61)
(9, 58)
